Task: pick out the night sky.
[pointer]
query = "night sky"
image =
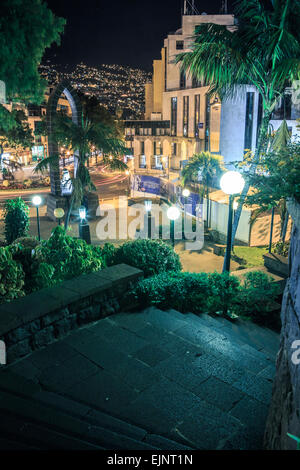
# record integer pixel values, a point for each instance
(124, 32)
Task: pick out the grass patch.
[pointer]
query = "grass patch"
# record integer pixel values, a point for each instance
(251, 254)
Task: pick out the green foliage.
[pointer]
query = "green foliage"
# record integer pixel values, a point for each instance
(20, 135)
(81, 138)
(256, 297)
(11, 277)
(37, 273)
(187, 292)
(108, 254)
(277, 177)
(16, 219)
(23, 43)
(208, 164)
(224, 291)
(152, 256)
(263, 50)
(281, 248)
(69, 257)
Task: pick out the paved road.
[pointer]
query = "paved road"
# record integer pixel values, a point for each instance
(107, 185)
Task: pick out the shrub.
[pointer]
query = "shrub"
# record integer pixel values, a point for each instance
(107, 252)
(256, 297)
(281, 248)
(69, 257)
(224, 290)
(26, 242)
(37, 273)
(11, 277)
(152, 256)
(16, 219)
(186, 292)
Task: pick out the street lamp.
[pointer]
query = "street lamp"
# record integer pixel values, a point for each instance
(173, 213)
(59, 213)
(37, 201)
(148, 207)
(232, 183)
(84, 228)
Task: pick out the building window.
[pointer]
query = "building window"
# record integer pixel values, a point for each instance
(283, 109)
(142, 148)
(185, 116)
(142, 161)
(179, 45)
(173, 116)
(174, 148)
(182, 83)
(196, 83)
(249, 120)
(197, 115)
(157, 148)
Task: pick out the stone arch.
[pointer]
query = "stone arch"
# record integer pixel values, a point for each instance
(64, 87)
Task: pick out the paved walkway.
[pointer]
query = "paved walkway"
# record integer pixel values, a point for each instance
(201, 381)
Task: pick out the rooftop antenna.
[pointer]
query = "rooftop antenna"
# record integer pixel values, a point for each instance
(189, 8)
(224, 8)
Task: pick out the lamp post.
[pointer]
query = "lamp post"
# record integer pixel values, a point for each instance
(186, 193)
(173, 213)
(271, 229)
(59, 213)
(232, 183)
(37, 200)
(84, 228)
(148, 207)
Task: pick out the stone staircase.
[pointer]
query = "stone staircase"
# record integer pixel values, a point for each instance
(143, 381)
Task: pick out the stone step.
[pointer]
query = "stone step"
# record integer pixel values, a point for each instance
(28, 434)
(61, 423)
(113, 431)
(257, 342)
(259, 337)
(232, 331)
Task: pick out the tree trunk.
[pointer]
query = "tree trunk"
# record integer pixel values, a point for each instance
(285, 226)
(70, 206)
(261, 146)
(207, 207)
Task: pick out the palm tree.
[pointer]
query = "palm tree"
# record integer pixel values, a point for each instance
(80, 139)
(269, 199)
(209, 166)
(263, 50)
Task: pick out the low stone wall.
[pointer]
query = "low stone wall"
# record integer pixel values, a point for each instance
(42, 317)
(276, 264)
(284, 414)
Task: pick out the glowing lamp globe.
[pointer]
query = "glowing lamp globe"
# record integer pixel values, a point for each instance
(37, 200)
(232, 182)
(173, 213)
(148, 205)
(82, 213)
(186, 192)
(59, 213)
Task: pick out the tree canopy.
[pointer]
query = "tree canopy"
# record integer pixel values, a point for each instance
(27, 28)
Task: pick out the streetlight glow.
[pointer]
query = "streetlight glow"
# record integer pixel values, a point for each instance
(173, 213)
(186, 192)
(148, 205)
(232, 182)
(82, 213)
(37, 200)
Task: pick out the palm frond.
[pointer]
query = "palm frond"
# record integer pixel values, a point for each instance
(44, 165)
